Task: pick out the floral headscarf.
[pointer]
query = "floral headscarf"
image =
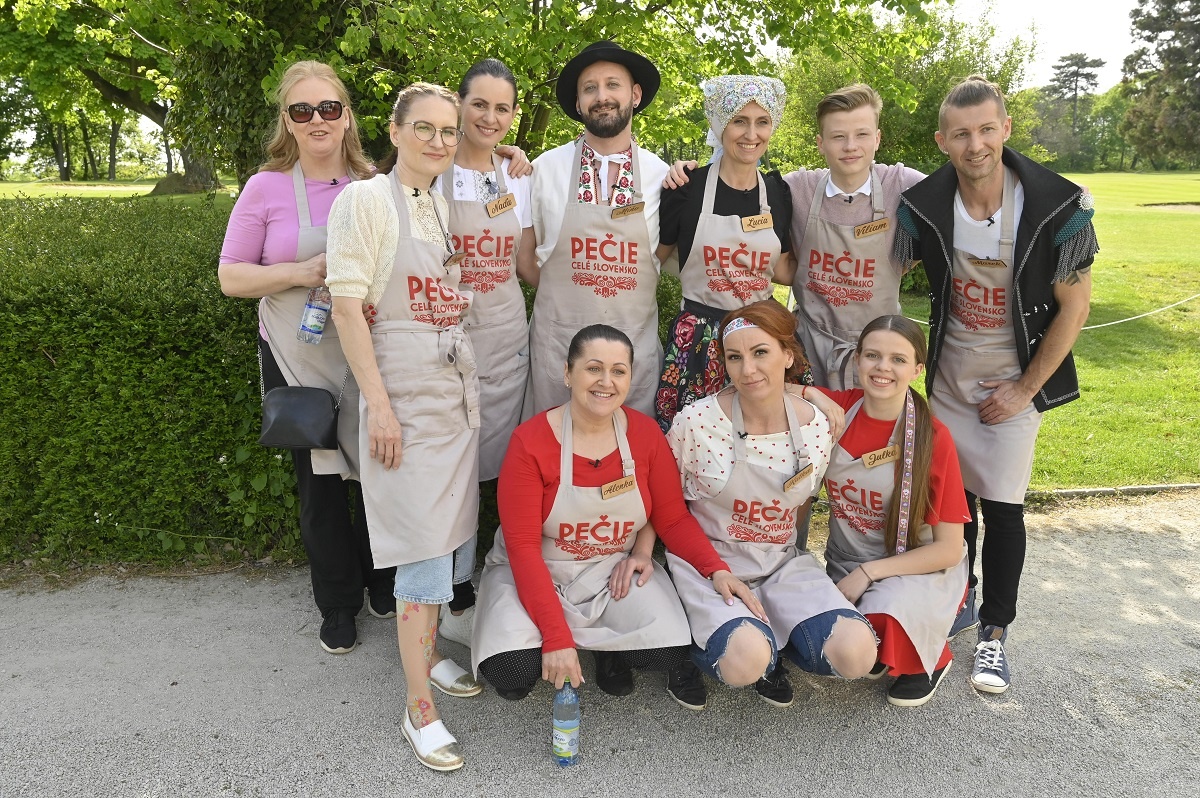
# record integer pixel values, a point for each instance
(725, 96)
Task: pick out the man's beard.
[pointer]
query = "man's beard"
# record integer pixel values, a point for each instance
(609, 125)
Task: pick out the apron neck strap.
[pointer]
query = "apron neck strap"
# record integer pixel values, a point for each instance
(710, 188)
(740, 434)
(878, 208)
(1007, 222)
(566, 461)
(301, 196)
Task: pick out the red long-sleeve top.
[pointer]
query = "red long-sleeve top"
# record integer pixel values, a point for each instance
(529, 480)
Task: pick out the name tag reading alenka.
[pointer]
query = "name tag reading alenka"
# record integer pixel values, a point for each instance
(618, 486)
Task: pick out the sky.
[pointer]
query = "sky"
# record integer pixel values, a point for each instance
(1097, 28)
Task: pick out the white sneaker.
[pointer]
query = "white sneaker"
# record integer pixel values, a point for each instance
(457, 628)
(434, 746)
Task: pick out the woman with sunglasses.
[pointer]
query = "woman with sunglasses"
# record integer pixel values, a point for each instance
(389, 246)
(274, 251)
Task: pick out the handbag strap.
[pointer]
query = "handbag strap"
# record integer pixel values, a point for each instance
(342, 390)
(262, 386)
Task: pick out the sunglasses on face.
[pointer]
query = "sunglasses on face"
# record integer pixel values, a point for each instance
(329, 110)
(425, 132)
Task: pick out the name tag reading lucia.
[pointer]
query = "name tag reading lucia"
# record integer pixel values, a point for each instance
(618, 486)
(628, 210)
(880, 456)
(988, 263)
(871, 228)
(763, 221)
(801, 475)
(500, 205)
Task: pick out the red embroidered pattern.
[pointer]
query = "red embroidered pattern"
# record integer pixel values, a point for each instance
(742, 289)
(582, 551)
(622, 191)
(605, 285)
(485, 281)
(860, 525)
(839, 295)
(436, 321)
(978, 321)
(754, 536)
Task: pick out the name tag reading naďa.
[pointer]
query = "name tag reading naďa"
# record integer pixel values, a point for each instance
(500, 205)
(628, 210)
(871, 228)
(880, 456)
(801, 475)
(761, 222)
(618, 486)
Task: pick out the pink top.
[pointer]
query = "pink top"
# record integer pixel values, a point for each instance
(264, 225)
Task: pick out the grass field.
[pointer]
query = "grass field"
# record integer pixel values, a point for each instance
(1139, 419)
(130, 188)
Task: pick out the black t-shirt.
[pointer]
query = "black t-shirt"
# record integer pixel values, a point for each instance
(679, 211)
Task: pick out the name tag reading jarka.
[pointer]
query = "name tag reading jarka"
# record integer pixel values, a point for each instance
(987, 263)
(871, 228)
(880, 456)
(802, 474)
(628, 210)
(763, 221)
(500, 205)
(618, 486)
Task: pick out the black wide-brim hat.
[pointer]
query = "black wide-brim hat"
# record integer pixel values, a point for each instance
(645, 74)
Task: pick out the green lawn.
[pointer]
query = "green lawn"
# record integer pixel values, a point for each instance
(122, 188)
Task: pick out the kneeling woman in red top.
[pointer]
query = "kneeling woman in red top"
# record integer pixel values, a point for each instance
(577, 487)
(896, 465)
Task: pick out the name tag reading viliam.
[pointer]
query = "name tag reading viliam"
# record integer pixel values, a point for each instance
(987, 263)
(880, 456)
(802, 474)
(618, 486)
(628, 210)
(500, 205)
(761, 222)
(871, 228)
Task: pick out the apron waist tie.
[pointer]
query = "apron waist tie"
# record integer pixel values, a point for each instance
(454, 349)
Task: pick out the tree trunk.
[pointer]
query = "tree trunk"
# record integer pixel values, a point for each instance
(112, 150)
(90, 172)
(198, 171)
(170, 158)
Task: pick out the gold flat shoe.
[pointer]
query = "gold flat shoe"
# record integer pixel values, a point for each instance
(452, 680)
(434, 746)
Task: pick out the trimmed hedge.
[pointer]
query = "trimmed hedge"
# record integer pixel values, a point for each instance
(130, 388)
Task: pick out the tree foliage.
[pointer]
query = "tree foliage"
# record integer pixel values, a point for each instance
(1075, 75)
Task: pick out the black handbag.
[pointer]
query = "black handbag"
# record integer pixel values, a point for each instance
(298, 417)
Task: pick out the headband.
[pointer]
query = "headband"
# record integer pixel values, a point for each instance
(725, 96)
(740, 323)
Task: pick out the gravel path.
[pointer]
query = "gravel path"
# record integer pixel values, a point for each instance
(215, 685)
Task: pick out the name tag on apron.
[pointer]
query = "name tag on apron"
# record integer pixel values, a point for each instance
(761, 222)
(618, 486)
(802, 474)
(454, 260)
(500, 205)
(880, 456)
(871, 228)
(987, 263)
(628, 210)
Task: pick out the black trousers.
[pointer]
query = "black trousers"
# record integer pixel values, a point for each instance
(333, 525)
(1003, 557)
(519, 670)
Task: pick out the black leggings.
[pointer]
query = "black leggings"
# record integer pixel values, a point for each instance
(519, 670)
(1003, 557)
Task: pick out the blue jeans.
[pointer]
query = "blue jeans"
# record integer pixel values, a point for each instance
(805, 646)
(432, 581)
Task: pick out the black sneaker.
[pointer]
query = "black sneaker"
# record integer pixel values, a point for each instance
(915, 689)
(685, 683)
(381, 604)
(514, 695)
(338, 632)
(775, 688)
(878, 671)
(613, 674)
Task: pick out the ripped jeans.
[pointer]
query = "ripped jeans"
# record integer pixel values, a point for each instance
(805, 646)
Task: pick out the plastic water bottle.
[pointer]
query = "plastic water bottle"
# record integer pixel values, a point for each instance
(566, 725)
(316, 313)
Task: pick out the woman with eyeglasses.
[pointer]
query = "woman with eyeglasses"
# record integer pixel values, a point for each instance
(389, 246)
(274, 251)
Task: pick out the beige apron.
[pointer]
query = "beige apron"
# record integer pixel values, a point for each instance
(997, 459)
(583, 539)
(601, 271)
(429, 505)
(728, 267)
(317, 366)
(923, 604)
(496, 322)
(843, 282)
(752, 524)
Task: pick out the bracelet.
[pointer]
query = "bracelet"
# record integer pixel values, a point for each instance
(803, 390)
(867, 575)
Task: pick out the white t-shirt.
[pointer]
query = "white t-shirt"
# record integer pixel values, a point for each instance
(468, 185)
(982, 238)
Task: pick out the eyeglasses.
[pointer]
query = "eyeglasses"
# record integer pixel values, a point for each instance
(303, 112)
(425, 131)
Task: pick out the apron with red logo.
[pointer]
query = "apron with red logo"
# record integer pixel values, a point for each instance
(729, 267)
(752, 524)
(496, 322)
(844, 280)
(429, 506)
(316, 366)
(923, 604)
(996, 459)
(601, 271)
(583, 539)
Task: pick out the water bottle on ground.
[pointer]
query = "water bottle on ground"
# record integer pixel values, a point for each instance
(316, 314)
(566, 725)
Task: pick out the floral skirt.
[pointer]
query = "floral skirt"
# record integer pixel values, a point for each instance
(692, 367)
